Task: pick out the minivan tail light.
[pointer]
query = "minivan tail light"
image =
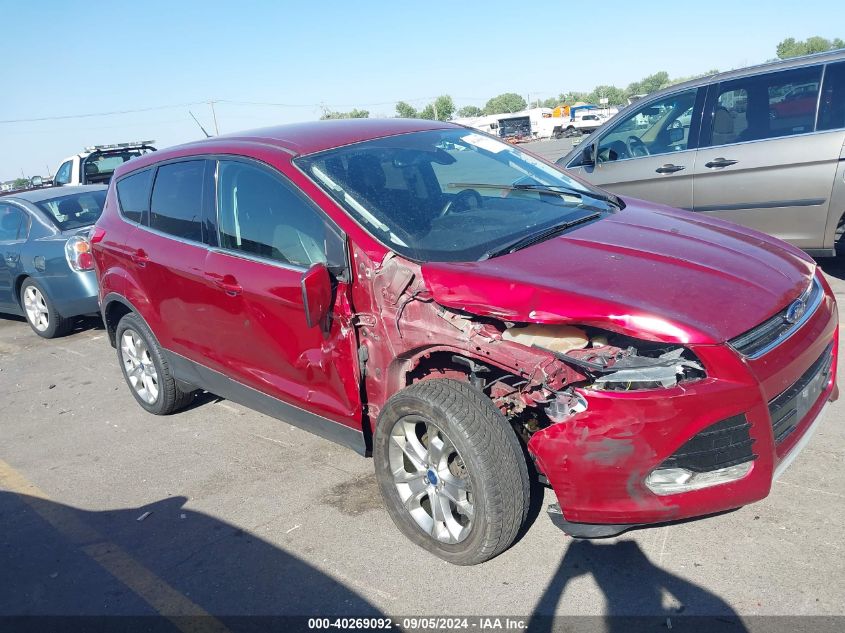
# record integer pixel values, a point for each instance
(78, 254)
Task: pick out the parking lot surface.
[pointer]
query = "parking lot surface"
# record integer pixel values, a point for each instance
(105, 509)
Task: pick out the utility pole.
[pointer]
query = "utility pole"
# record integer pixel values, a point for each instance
(214, 116)
(435, 109)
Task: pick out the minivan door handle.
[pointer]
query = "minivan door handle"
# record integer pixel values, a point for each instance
(720, 162)
(227, 283)
(140, 258)
(669, 168)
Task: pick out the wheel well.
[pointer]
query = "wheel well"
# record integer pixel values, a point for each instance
(18, 285)
(113, 313)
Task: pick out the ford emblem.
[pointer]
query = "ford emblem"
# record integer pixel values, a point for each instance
(795, 311)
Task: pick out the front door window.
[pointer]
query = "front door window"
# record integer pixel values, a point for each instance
(659, 127)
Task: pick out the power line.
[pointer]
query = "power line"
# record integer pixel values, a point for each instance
(224, 101)
(96, 114)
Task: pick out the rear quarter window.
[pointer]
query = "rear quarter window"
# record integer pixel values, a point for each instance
(133, 193)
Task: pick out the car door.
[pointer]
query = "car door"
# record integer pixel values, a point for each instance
(270, 234)
(63, 173)
(14, 224)
(649, 153)
(168, 259)
(764, 165)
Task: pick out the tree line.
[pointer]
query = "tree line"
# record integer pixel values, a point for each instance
(443, 107)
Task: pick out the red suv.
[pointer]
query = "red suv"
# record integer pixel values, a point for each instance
(472, 317)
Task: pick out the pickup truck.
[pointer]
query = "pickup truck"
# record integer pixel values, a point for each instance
(580, 125)
(97, 163)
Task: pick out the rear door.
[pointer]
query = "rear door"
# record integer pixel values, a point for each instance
(650, 153)
(270, 234)
(168, 259)
(762, 162)
(14, 224)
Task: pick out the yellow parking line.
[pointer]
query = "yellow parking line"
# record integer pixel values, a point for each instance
(185, 614)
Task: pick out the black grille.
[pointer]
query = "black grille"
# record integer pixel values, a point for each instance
(789, 408)
(723, 444)
(771, 331)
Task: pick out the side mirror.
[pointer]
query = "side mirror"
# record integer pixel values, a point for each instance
(588, 154)
(317, 295)
(676, 134)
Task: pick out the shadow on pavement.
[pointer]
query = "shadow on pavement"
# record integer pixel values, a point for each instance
(639, 595)
(60, 560)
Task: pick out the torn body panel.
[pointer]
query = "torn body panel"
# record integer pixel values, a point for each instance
(599, 410)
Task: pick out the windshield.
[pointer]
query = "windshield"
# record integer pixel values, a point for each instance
(99, 166)
(74, 211)
(448, 195)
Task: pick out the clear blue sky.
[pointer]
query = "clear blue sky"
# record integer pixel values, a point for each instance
(61, 58)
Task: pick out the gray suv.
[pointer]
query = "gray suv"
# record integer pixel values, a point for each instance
(761, 146)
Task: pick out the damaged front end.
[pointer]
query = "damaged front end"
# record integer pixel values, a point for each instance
(593, 406)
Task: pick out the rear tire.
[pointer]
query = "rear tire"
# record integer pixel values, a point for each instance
(451, 471)
(40, 312)
(145, 368)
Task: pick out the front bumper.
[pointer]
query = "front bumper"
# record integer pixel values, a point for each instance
(598, 460)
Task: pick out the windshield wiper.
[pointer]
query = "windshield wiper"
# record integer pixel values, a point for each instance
(556, 189)
(535, 238)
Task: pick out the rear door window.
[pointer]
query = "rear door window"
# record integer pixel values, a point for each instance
(133, 193)
(769, 105)
(176, 204)
(13, 223)
(832, 112)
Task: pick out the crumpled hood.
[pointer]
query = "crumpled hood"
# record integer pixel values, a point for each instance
(648, 271)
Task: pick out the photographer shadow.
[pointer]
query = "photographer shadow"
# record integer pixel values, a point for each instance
(639, 595)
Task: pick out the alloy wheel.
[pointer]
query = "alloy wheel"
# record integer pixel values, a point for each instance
(36, 308)
(431, 479)
(139, 366)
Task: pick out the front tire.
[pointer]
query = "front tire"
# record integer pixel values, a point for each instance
(146, 370)
(40, 312)
(451, 471)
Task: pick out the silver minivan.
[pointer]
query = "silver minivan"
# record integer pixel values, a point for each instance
(762, 146)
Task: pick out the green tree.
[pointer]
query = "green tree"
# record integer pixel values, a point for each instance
(406, 111)
(507, 102)
(614, 95)
(468, 111)
(790, 47)
(649, 84)
(353, 114)
(551, 102)
(680, 80)
(442, 109)
(20, 182)
(568, 98)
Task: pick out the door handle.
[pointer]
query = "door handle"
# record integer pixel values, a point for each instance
(720, 162)
(669, 168)
(12, 258)
(226, 283)
(140, 258)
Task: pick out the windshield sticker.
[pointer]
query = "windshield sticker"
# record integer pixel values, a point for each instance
(482, 142)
